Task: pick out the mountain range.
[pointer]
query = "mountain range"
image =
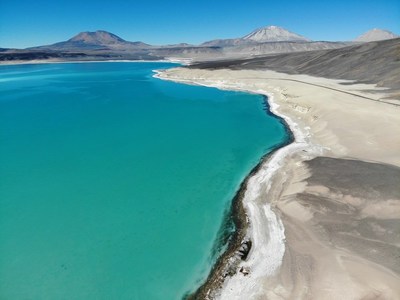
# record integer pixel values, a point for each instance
(103, 45)
(375, 62)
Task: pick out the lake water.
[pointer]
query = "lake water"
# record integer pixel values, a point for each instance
(113, 184)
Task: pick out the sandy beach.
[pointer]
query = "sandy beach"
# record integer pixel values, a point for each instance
(323, 213)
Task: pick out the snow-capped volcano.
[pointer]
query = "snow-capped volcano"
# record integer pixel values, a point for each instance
(274, 34)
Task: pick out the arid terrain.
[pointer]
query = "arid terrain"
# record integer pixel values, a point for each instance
(335, 188)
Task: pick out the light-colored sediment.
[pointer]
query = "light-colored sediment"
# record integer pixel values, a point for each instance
(320, 229)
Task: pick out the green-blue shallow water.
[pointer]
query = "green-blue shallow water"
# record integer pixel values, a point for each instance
(113, 184)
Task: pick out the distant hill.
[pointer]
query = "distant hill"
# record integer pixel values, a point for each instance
(227, 43)
(374, 62)
(97, 40)
(376, 35)
(98, 37)
(274, 34)
(279, 47)
(261, 35)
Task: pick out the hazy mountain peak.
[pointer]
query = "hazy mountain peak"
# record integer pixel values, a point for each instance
(96, 40)
(99, 37)
(274, 34)
(376, 34)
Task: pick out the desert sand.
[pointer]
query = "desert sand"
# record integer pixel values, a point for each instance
(323, 213)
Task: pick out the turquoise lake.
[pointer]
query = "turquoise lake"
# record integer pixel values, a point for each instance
(114, 184)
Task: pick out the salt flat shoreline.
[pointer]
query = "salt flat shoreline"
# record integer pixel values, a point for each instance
(328, 120)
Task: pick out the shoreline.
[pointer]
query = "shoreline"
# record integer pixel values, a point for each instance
(269, 163)
(270, 196)
(238, 246)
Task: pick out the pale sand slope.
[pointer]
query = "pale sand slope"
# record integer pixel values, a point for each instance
(336, 191)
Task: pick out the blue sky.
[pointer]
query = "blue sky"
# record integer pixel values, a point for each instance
(26, 23)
